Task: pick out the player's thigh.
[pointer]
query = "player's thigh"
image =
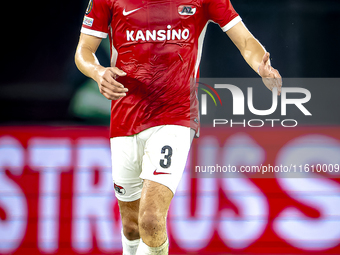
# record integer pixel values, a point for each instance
(155, 197)
(165, 155)
(153, 209)
(127, 155)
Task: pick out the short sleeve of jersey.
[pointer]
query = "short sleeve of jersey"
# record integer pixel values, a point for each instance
(97, 18)
(223, 13)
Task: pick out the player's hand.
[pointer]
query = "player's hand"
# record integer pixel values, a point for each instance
(108, 86)
(270, 76)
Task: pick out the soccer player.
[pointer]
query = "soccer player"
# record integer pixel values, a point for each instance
(155, 54)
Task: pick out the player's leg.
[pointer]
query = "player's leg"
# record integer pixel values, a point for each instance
(129, 214)
(164, 161)
(130, 231)
(153, 211)
(126, 166)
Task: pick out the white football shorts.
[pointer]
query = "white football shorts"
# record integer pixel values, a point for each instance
(158, 154)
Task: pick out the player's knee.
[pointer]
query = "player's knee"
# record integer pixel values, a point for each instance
(151, 222)
(131, 230)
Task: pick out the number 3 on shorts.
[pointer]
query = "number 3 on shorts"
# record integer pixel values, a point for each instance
(167, 157)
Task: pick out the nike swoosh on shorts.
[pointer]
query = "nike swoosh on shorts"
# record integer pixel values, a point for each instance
(157, 173)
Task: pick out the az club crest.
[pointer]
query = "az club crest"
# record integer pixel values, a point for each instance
(119, 189)
(186, 10)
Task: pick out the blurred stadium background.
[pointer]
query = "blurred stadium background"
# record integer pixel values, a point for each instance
(56, 194)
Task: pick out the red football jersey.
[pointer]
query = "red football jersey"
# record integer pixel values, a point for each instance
(158, 44)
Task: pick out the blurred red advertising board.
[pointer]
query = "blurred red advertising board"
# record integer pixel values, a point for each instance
(56, 192)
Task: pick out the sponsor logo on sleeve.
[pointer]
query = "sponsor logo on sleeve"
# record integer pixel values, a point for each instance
(88, 21)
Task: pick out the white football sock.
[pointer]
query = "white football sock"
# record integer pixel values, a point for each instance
(143, 249)
(129, 247)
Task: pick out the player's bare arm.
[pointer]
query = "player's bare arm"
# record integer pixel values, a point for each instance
(255, 55)
(89, 65)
